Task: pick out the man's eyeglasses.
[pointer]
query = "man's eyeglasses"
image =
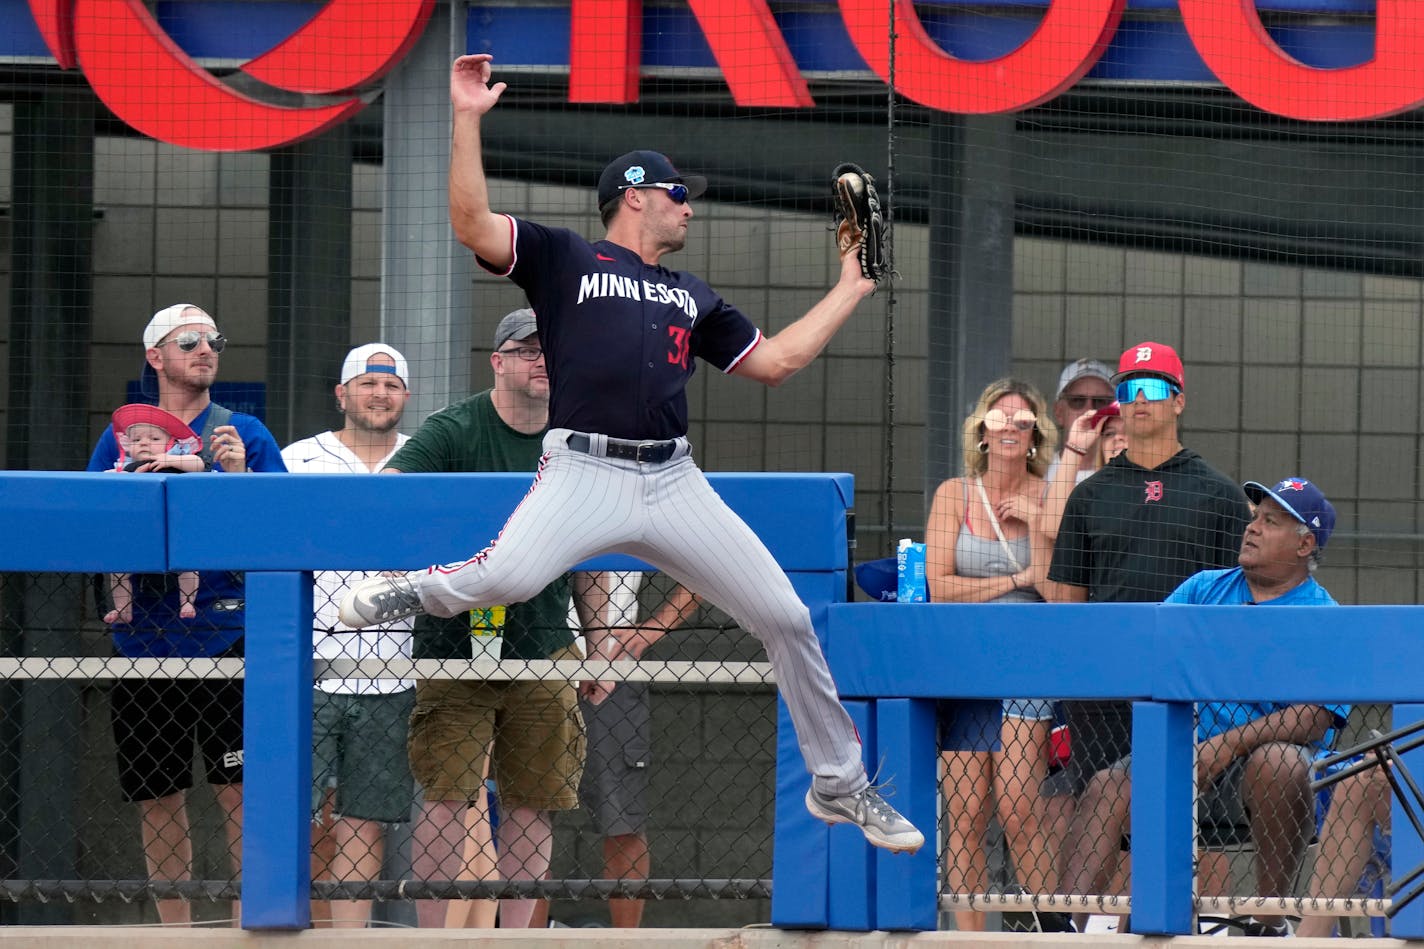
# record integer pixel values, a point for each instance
(526, 353)
(996, 420)
(678, 193)
(1080, 402)
(188, 340)
(1153, 388)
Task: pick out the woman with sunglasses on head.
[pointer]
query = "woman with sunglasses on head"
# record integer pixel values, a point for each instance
(983, 545)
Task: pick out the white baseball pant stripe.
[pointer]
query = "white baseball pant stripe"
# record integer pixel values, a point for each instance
(669, 516)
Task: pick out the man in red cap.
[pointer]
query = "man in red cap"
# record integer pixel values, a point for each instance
(1150, 518)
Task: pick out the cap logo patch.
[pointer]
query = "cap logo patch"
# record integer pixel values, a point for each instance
(1292, 485)
(1315, 522)
(1144, 354)
(635, 175)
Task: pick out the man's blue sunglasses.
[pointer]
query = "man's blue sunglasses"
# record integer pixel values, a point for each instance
(678, 193)
(1156, 390)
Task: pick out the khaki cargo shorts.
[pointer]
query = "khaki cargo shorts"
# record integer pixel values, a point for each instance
(532, 732)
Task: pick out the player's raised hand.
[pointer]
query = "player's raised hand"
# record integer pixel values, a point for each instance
(470, 88)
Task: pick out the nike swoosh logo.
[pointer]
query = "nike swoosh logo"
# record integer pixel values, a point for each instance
(601, 257)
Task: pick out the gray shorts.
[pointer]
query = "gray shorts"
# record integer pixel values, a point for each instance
(359, 748)
(614, 789)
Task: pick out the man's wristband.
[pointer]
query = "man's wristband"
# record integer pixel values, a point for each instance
(1077, 451)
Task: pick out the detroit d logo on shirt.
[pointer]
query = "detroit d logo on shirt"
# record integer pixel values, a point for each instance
(1154, 491)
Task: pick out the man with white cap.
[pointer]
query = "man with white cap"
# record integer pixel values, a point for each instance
(157, 721)
(359, 726)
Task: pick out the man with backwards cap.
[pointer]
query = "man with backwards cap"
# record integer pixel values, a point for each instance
(1253, 758)
(359, 726)
(1147, 520)
(619, 332)
(157, 721)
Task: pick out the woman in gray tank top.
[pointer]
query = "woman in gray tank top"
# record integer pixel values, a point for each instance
(983, 545)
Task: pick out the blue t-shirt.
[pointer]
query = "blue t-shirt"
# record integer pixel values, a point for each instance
(157, 630)
(1229, 588)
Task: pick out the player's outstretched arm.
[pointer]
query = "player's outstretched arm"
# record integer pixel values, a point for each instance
(780, 357)
(476, 226)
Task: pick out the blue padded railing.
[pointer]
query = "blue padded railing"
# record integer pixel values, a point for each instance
(892, 662)
(278, 528)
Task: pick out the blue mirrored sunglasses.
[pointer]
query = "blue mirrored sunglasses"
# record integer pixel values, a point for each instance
(678, 193)
(1155, 390)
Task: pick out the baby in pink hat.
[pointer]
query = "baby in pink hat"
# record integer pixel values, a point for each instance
(151, 439)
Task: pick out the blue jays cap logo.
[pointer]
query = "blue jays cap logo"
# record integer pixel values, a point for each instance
(635, 175)
(1292, 484)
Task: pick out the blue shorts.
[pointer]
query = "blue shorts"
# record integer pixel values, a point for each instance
(970, 724)
(1033, 710)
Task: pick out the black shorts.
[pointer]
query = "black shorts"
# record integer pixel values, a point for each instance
(156, 723)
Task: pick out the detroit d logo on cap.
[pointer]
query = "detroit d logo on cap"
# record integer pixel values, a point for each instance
(635, 175)
(1144, 354)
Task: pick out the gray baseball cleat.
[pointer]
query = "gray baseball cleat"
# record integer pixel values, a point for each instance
(379, 600)
(881, 824)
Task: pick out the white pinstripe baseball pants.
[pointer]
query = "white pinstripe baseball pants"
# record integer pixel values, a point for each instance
(669, 516)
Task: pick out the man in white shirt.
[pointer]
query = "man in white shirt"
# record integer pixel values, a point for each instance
(360, 726)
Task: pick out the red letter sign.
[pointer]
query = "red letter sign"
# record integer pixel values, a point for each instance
(1237, 48)
(1065, 46)
(154, 87)
(606, 49)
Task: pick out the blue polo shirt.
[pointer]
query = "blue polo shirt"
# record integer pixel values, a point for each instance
(157, 631)
(1229, 588)
(620, 336)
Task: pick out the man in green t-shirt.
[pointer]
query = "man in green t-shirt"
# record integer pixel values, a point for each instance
(528, 735)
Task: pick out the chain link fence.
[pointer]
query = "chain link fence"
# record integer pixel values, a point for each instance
(124, 791)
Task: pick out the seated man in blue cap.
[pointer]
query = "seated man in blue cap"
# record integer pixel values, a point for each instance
(1253, 758)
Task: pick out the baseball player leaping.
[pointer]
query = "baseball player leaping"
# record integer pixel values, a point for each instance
(619, 333)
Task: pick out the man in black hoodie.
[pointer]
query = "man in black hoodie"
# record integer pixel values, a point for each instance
(1150, 518)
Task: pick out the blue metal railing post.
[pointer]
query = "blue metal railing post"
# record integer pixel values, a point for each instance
(277, 725)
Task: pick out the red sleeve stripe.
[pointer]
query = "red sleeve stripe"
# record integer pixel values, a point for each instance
(513, 257)
(756, 340)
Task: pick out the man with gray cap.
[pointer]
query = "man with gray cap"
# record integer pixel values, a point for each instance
(158, 721)
(359, 726)
(622, 333)
(527, 735)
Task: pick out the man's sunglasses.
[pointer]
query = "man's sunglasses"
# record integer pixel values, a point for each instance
(1154, 389)
(678, 193)
(188, 340)
(1080, 402)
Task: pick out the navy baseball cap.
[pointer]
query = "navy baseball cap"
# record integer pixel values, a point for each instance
(644, 167)
(1302, 500)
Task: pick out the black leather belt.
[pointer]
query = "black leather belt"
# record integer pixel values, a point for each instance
(653, 453)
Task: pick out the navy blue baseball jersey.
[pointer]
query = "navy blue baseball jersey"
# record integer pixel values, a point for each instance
(619, 335)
